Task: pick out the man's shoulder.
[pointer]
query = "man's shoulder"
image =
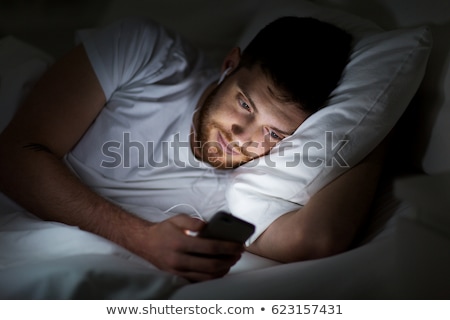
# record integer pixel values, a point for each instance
(146, 35)
(138, 26)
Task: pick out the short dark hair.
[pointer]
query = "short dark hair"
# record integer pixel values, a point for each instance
(303, 56)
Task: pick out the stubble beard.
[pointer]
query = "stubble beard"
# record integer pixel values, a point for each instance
(206, 148)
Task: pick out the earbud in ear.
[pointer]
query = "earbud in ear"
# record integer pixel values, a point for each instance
(224, 74)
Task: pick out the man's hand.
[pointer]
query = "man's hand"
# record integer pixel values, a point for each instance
(168, 246)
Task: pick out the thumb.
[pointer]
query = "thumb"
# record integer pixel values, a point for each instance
(188, 223)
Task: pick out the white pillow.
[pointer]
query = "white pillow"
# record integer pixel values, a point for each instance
(21, 65)
(384, 72)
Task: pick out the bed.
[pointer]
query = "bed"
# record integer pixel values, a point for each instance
(402, 253)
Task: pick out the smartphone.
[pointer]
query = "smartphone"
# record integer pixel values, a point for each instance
(224, 226)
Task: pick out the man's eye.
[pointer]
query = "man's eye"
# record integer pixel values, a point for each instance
(274, 135)
(244, 105)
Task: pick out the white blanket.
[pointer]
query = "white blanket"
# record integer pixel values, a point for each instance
(49, 260)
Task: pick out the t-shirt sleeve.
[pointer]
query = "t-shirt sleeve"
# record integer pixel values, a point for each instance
(120, 51)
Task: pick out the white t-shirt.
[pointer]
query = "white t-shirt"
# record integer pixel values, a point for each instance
(137, 151)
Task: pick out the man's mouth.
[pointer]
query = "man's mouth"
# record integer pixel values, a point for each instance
(226, 147)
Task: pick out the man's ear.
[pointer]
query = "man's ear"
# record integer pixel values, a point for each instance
(231, 60)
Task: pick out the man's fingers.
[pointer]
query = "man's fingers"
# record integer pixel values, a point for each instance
(197, 245)
(191, 257)
(201, 268)
(186, 222)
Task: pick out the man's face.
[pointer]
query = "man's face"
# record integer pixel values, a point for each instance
(242, 119)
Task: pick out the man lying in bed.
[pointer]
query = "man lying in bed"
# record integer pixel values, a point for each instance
(133, 118)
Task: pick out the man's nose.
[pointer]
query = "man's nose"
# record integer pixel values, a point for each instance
(245, 133)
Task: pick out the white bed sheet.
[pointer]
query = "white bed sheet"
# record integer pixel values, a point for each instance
(48, 260)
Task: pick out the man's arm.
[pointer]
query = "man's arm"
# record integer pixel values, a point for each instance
(328, 223)
(54, 117)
